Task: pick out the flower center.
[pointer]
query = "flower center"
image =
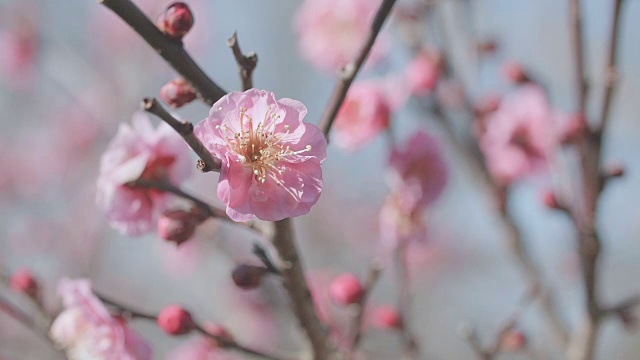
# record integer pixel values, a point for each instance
(260, 147)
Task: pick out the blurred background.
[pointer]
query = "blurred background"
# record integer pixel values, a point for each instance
(71, 71)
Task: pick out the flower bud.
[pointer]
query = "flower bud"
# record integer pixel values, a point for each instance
(176, 20)
(513, 72)
(175, 320)
(423, 72)
(550, 200)
(513, 341)
(487, 104)
(248, 277)
(614, 171)
(346, 289)
(386, 317)
(178, 225)
(177, 93)
(22, 281)
(218, 331)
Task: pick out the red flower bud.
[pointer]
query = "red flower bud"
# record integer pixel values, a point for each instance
(550, 200)
(346, 289)
(614, 171)
(513, 72)
(175, 320)
(386, 317)
(178, 225)
(513, 341)
(248, 277)
(176, 20)
(22, 281)
(177, 93)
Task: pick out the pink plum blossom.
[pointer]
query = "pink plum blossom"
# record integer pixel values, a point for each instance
(330, 31)
(140, 152)
(364, 114)
(418, 170)
(19, 45)
(401, 220)
(423, 72)
(270, 158)
(86, 330)
(519, 135)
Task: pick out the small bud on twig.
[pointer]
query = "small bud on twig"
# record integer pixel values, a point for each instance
(513, 72)
(346, 289)
(179, 225)
(177, 93)
(248, 277)
(22, 281)
(176, 20)
(175, 320)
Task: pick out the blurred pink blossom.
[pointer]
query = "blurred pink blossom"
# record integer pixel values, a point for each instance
(140, 151)
(423, 72)
(418, 170)
(401, 221)
(86, 330)
(364, 114)
(270, 158)
(330, 31)
(519, 135)
(19, 47)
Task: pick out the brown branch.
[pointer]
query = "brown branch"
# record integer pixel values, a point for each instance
(224, 343)
(172, 51)
(246, 63)
(412, 349)
(611, 72)
(358, 319)
(296, 286)
(210, 210)
(185, 129)
(349, 72)
(575, 16)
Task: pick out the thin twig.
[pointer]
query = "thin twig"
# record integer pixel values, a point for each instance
(350, 71)
(172, 51)
(246, 63)
(296, 286)
(575, 16)
(358, 319)
(210, 210)
(223, 342)
(261, 253)
(25, 319)
(185, 129)
(611, 72)
(412, 349)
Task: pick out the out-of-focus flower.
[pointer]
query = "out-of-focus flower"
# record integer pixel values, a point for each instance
(423, 72)
(87, 331)
(175, 320)
(176, 20)
(401, 220)
(140, 152)
(386, 317)
(346, 289)
(203, 348)
(513, 340)
(330, 31)
(270, 158)
(518, 135)
(177, 93)
(19, 47)
(364, 114)
(513, 72)
(23, 281)
(418, 169)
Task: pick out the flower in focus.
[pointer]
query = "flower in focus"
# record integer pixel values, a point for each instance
(418, 171)
(364, 114)
(86, 330)
(270, 158)
(140, 152)
(519, 135)
(330, 31)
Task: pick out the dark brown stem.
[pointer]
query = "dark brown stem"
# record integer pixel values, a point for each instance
(171, 50)
(358, 319)
(412, 350)
(223, 342)
(611, 72)
(296, 286)
(185, 129)
(261, 253)
(246, 63)
(211, 211)
(349, 72)
(575, 16)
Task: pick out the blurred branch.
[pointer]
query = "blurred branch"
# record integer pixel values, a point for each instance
(210, 210)
(575, 16)
(261, 253)
(412, 349)
(246, 63)
(358, 319)
(611, 71)
(296, 286)
(349, 72)
(172, 51)
(224, 343)
(185, 129)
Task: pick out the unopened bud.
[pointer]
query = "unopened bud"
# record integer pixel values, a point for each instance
(386, 317)
(513, 72)
(176, 20)
(248, 277)
(513, 341)
(178, 92)
(550, 200)
(346, 289)
(614, 171)
(175, 320)
(22, 281)
(178, 225)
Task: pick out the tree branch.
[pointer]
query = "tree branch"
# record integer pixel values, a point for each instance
(412, 348)
(223, 342)
(358, 319)
(246, 63)
(575, 16)
(349, 72)
(172, 51)
(296, 286)
(185, 129)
